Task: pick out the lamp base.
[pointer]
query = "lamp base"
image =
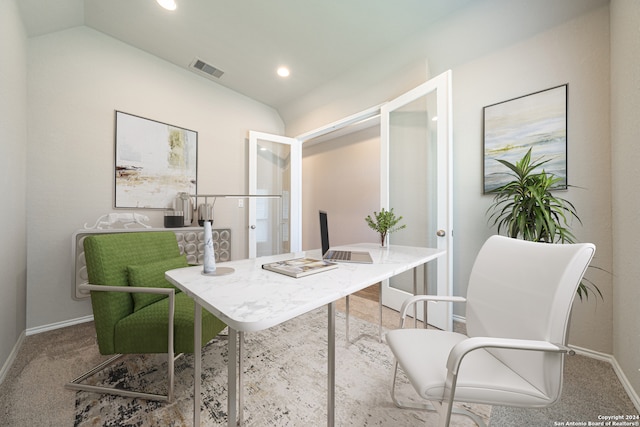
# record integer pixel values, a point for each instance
(220, 271)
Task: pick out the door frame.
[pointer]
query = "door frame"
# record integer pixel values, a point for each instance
(443, 84)
(295, 198)
(440, 314)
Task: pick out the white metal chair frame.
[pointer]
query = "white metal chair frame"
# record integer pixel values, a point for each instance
(77, 384)
(444, 406)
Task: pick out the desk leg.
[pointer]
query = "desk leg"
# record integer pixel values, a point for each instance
(424, 286)
(415, 292)
(380, 312)
(347, 319)
(197, 354)
(232, 377)
(331, 359)
(240, 378)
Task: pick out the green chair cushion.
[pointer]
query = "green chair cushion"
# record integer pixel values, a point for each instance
(151, 275)
(108, 258)
(145, 331)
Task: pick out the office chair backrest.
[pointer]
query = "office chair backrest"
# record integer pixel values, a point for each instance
(524, 290)
(107, 257)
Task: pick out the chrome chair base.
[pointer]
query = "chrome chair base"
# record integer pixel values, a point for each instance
(77, 383)
(431, 406)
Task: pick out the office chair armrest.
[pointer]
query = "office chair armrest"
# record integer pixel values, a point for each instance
(460, 350)
(464, 347)
(435, 298)
(130, 289)
(171, 294)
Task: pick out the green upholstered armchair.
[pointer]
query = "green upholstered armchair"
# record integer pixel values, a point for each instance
(133, 304)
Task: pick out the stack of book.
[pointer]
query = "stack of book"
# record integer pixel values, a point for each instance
(300, 267)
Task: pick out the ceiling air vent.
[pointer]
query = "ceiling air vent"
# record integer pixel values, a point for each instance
(207, 69)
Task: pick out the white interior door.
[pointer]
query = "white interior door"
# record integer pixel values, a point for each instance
(275, 167)
(416, 177)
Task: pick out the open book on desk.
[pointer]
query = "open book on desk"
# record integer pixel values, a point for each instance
(300, 267)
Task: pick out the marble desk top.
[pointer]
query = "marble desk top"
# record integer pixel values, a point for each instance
(252, 299)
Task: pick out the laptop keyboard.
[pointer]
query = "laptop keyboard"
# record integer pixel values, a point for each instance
(339, 255)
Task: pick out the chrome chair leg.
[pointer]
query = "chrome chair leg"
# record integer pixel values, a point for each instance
(428, 406)
(78, 385)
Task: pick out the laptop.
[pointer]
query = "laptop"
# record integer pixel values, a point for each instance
(329, 254)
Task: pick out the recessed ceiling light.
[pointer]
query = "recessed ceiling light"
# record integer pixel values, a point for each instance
(283, 72)
(167, 4)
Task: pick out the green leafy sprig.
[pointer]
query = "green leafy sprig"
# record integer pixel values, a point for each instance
(385, 222)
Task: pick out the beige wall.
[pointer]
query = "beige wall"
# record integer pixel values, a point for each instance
(604, 106)
(342, 177)
(13, 149)
(625, 157)
(574, 52)
(77, 78)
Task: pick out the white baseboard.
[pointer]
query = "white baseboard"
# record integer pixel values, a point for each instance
(616, 368)
(12, 357)
(58, 325)
(461, 319)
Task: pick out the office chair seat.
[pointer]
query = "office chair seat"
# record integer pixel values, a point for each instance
(482, 378)
(518, 308)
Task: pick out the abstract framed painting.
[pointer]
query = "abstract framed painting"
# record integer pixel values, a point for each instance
(154, 161)
(537, 121)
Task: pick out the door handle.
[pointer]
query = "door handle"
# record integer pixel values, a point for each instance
(253, 227)
(440, 233)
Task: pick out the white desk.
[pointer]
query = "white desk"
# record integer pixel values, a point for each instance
(253, 299)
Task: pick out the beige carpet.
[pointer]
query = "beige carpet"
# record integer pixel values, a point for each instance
(33, 394)
(285, 380)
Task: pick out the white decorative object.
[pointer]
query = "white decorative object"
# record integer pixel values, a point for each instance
(209, 255)
(209, 268)
(127, 219)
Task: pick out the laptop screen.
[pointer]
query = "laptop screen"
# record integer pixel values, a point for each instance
(324, 232)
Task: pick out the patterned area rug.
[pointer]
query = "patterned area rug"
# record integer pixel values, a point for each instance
(285, 382)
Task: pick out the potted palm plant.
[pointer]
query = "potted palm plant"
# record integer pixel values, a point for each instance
(384, 222)
(525, 208)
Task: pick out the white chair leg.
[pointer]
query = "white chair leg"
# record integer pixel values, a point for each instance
(441, 409)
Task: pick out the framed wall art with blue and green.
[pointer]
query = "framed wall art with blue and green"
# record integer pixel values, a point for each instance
(537, 121)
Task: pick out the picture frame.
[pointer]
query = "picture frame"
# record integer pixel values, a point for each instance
(154, 161)
(537, 121)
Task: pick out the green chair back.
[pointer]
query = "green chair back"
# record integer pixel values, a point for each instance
(107, 258)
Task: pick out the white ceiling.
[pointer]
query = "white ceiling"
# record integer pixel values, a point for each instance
(249, 39)
(320, 40)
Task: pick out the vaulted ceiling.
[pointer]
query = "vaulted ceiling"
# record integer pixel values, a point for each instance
(247, 40)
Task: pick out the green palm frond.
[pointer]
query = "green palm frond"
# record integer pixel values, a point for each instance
(524, 208)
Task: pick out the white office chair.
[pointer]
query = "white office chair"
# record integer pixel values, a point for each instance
(518, 307)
